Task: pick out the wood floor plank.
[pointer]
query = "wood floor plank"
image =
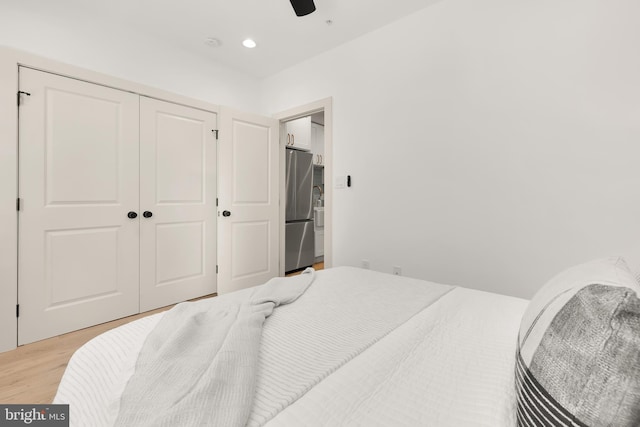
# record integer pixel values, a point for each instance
(317, 266)
(31, 373)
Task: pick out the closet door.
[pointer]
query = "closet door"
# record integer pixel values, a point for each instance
(177, 203)
(78, 178)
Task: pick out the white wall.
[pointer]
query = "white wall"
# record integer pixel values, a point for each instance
(490, 143)
(44, 28)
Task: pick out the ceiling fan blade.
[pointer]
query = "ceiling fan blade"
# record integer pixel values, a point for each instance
(303, 7)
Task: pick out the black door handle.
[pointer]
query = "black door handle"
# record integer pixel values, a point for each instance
(132, 215)
(226, 213)
(147, 214)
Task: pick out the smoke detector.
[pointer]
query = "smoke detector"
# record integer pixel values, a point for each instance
(212, 42)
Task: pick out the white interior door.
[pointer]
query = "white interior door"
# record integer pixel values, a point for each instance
(248, 209)
(177, 203)
(78, 178)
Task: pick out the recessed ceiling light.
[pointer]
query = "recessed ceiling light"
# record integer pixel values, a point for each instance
(249, 43)
(212, 42)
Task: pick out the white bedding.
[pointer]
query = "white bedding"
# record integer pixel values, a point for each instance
(450, 364)
(199, 365)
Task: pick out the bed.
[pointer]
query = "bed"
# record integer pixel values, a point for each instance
(354, 347)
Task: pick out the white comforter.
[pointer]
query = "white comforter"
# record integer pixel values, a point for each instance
(450, 364)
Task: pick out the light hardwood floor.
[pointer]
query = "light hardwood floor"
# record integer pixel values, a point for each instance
(31, 373)
(317, 266)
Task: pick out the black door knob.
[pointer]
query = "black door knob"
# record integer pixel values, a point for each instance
(132, 215)
(226, 213)
(147, 214)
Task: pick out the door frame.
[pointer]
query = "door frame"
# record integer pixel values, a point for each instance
(322, 105)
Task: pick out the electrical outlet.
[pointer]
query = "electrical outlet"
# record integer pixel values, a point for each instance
(397, 270)
(366, 264)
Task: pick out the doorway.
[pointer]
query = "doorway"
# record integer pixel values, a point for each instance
(316, 118)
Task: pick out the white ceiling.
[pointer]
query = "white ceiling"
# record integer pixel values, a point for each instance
(283, 39)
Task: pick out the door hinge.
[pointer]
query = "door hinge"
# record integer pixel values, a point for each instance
(215, 131)
(17, 310)
(18, 203)
(216, 201)
(22, 93)
(216, 269)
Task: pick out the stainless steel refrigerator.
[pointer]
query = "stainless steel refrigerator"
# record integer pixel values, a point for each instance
(299, 236)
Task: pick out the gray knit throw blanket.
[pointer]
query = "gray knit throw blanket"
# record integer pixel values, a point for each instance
(197, 367)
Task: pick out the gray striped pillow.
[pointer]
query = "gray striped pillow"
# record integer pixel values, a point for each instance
(578, 353)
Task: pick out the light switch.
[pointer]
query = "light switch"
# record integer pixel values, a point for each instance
(340, 182)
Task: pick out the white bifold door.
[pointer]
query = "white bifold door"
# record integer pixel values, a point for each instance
(117, 196)
(177, 203)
